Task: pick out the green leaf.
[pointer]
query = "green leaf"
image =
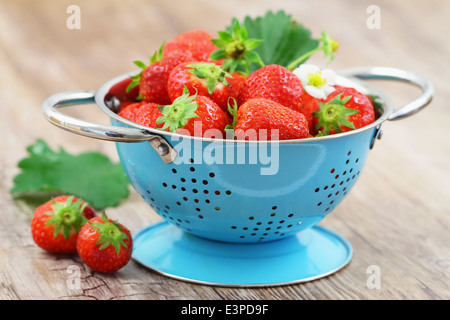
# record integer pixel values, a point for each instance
(284, 38)
(90, 176)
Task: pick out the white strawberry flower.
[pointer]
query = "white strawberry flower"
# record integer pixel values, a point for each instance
(317, 83)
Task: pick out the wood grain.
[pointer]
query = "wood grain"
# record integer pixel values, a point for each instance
(396, 218)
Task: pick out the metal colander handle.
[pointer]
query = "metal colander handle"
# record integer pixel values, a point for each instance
(386, 73)
(102, 132)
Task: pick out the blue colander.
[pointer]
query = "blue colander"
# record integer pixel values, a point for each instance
(240, 213)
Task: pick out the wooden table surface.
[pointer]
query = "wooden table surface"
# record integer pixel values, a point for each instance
(396, 218)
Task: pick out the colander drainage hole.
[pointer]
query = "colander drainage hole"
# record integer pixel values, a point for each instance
(338, 176)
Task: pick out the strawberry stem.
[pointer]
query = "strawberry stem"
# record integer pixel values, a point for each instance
(176, 115)
(236, 49)
(211, 72)
(66, 216)
(232, 109)
(110, 234)
(329, 46)
(333, 114)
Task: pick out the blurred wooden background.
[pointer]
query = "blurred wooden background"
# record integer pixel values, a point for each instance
(396, 218)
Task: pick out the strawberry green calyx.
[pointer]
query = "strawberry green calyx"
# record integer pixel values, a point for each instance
(67, 216)
(211, 72)
(176, 115)
(333, 114)
(326, 44)
(136, 79)
(110, 234)
(236, 49)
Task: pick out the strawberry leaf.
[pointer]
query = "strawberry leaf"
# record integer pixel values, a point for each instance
(284, 38)
(90, 176)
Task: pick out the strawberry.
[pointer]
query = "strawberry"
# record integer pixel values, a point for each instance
(236, 82)
(119, 90)
(345, 109)
(129, 111)
(194, 114)
(261, 113)
(197, 43)
(309, 106)
(205, 79)
(276, 83)
(148, 114)
(153, 86)
(104, 245)
(55, 224)
(152, 80)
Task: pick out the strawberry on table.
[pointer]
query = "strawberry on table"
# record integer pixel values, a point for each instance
(104, 245)
(194, 113)
(276, 83)
(345, 109)
(202, 78)
(260, 114)
(55, 224)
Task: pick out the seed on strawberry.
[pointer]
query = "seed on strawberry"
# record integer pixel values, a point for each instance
(104, 245)
(276, 83)
(202, 78)
(55, 224)
(258, 119)
(345, 109)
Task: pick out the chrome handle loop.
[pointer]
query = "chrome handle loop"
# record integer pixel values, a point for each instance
(103, 132)
(386, 73)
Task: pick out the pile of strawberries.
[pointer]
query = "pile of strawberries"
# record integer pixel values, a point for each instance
(188, 88)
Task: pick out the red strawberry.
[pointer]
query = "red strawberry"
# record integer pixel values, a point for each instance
(148, 114)
(260, 113)
(236, 82)
(345, 109)
(104, 245)
(129, 111)
(56, 223)
(119, 90)
(309, 106)
(153, 85)
(202, 78)
(152, 81)
(276, 83)
(195, 42)
(194, 114)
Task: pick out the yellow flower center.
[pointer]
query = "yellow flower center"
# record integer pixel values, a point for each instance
(316, 79)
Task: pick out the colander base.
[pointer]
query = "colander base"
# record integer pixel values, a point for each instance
(309, 255)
